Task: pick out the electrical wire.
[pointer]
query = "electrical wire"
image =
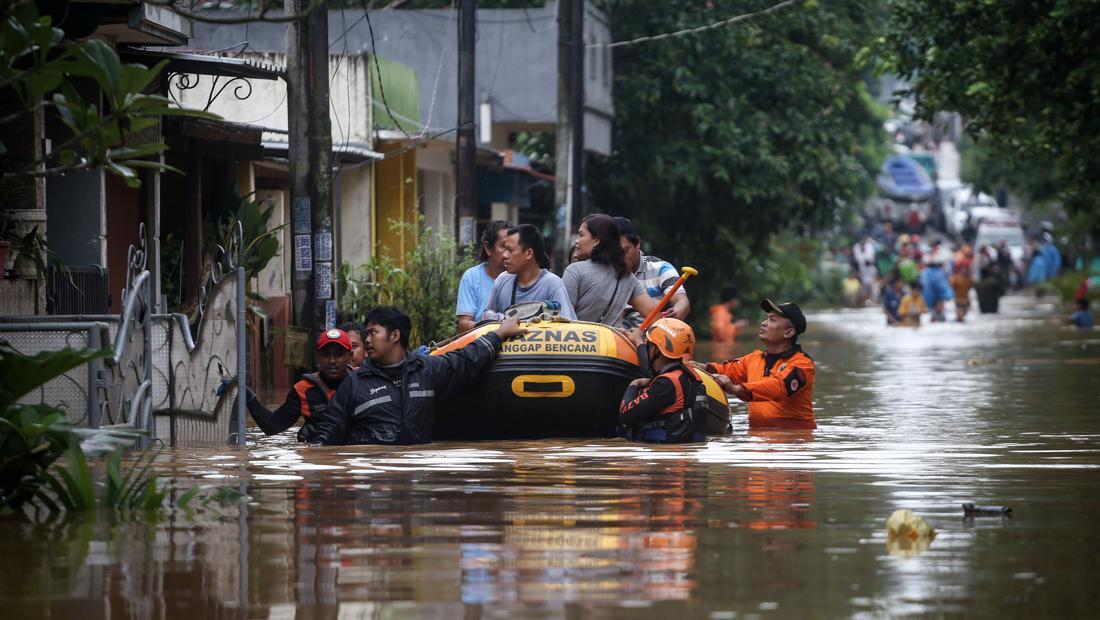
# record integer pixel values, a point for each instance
(496, 67)
(417, 142)
(409, 120)
(269, 114)
(346, 135)
(531, 26)
(435, 13)
(439, 69)
(378, 72)
(687, 31)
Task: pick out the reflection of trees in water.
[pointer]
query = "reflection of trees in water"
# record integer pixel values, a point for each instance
(136, 565)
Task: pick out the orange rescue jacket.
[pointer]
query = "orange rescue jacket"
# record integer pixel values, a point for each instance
(781, 387)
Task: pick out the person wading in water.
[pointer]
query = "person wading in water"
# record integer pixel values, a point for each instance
(778, 380)
(308, 398)
(391, 398)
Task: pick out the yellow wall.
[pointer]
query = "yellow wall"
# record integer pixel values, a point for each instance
(395, 201)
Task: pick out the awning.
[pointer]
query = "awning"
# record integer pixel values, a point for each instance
(347, 153)
(205, 64)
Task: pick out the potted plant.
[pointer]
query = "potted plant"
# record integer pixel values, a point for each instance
(33, 256)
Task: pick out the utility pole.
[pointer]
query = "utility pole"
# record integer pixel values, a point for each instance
(569, 138)
(576, 173)
(466, 172)
(310, 152)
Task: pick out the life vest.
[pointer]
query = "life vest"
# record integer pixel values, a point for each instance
(314, 396)
(683, 421)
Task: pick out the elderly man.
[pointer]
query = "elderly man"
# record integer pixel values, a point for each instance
(777, 381)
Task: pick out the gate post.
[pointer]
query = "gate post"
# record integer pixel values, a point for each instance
(242, 357)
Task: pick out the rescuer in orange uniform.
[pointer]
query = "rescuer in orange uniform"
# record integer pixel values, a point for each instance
(777, 381)
(659, 410)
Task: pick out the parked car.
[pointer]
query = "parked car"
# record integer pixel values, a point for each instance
(969, 204)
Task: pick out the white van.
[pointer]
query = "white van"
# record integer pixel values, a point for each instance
(967, 203)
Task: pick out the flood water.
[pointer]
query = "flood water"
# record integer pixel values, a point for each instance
(1003, 410)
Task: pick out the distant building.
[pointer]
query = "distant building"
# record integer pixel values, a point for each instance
(517, 90)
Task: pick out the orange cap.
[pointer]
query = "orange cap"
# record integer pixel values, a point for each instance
(673, 338)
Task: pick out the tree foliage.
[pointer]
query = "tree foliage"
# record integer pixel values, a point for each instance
(727, 137)
(1024, 73)
(41, 68)
(424, 283)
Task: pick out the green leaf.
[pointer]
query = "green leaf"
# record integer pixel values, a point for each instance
(20, 374)
(115, 483)
(78, 480)
(183, 500)
(60, 491)
(152, 496)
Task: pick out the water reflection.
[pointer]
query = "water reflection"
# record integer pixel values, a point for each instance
(999, 411)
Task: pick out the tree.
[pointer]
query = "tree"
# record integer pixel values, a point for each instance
(39, 68)
(1024, 73)
(727, 137)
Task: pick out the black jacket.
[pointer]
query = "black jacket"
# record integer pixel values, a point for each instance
(369, 408)
(308, 398)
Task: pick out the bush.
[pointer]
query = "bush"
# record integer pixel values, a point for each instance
(1065, 286)
(424, 285)
(788, 269)
(34, 436)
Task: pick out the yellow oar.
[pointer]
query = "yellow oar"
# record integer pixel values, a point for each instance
(655, 312)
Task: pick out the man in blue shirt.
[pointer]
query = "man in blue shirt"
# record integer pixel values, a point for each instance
(477, 282)
(1081, 317)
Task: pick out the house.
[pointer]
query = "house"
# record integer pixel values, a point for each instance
(92, 218)
(517, 90)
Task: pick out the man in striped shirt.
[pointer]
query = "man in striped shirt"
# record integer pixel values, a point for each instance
(657, 277)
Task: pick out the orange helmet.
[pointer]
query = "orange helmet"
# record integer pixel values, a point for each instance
(673, 338)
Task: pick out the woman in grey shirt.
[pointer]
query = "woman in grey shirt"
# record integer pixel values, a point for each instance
(599, 284)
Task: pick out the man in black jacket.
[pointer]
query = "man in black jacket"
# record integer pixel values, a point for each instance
(391, 398)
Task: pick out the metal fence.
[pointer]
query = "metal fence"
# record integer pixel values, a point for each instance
(163, 372)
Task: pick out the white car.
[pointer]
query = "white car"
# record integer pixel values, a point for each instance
(966, 203)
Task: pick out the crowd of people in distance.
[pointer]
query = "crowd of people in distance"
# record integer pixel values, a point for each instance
(911, 277)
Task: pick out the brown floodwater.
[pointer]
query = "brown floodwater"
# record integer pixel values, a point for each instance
(1003, 410)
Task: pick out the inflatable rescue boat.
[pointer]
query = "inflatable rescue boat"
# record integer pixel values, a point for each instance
(561, 379)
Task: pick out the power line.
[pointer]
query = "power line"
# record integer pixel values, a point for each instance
(378, 71)
(439, 69)
(347, 86)
(687, 31)
(273, 111)
(411, 121)
(437, 14)
(417, 142)
(531, 26)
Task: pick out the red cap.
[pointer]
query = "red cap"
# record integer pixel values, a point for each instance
(337, 336)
